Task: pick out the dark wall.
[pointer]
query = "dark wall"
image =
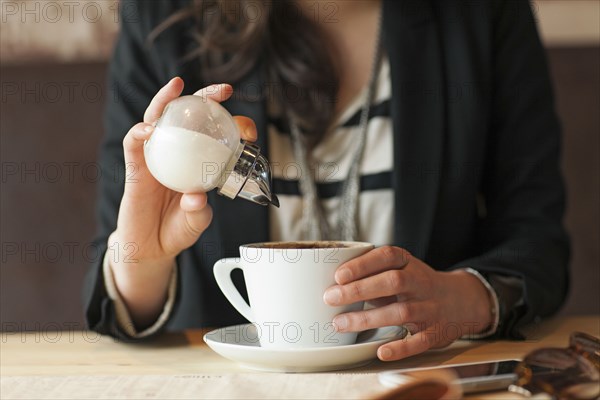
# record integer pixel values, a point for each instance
(576, 74)
(50, 126)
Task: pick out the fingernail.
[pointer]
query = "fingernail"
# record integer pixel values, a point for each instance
(340, 323)
(226, 88)
(385, 353)
(343, 276)
(332, 296)
(149, 128)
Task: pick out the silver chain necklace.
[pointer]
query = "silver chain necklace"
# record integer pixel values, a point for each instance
(314, 222)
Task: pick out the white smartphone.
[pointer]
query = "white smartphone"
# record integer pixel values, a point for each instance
(473, 377)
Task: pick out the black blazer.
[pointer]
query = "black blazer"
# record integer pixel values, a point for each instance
(476, 152)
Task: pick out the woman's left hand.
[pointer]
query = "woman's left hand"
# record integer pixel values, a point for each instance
(436, 307)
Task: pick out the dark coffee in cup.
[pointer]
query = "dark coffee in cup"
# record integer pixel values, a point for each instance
(303, 245)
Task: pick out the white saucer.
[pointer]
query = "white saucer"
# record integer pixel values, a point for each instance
(249, 354)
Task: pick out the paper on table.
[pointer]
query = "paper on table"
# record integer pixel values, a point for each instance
(230, 386)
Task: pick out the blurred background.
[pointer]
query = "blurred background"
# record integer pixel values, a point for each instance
(53, 59)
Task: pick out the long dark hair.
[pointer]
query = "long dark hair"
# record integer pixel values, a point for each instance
(234, 36)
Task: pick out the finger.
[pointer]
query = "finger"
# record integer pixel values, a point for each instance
(409, 346)
(375, 261)
(383, 301)
(388, 283)
(143, 133)
(197, 221)
(133, 152)
(219, 92)
(247, 128)
(390, 315)
(191, 202)
(136, 136)
(133, 143)
(170, 91)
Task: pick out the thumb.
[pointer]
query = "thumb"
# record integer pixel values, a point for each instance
(197, 213)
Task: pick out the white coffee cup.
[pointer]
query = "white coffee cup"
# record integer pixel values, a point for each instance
(286, 282)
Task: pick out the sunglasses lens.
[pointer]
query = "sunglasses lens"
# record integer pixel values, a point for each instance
(560, 372)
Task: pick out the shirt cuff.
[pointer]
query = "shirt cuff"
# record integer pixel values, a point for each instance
(122, 314)
(495, 310)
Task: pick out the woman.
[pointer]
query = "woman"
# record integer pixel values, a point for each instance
(459, 181)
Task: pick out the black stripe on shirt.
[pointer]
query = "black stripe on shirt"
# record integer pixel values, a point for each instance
(327, 190)
(378, 110)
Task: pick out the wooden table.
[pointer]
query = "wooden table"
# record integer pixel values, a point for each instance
(83, 365)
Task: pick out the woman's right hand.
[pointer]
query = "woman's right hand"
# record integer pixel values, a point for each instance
(155, 223)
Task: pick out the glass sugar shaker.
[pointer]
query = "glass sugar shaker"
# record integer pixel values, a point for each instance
(196, 147)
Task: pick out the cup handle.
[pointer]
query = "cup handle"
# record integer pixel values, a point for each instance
(222, 270)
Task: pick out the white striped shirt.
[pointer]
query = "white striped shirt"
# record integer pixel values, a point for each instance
(331, 160)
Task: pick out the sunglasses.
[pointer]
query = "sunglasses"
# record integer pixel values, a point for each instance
(563, 373)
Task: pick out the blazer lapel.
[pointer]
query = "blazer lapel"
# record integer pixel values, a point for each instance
(418, 116)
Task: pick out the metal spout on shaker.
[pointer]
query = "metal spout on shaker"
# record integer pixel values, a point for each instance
(250, 177)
